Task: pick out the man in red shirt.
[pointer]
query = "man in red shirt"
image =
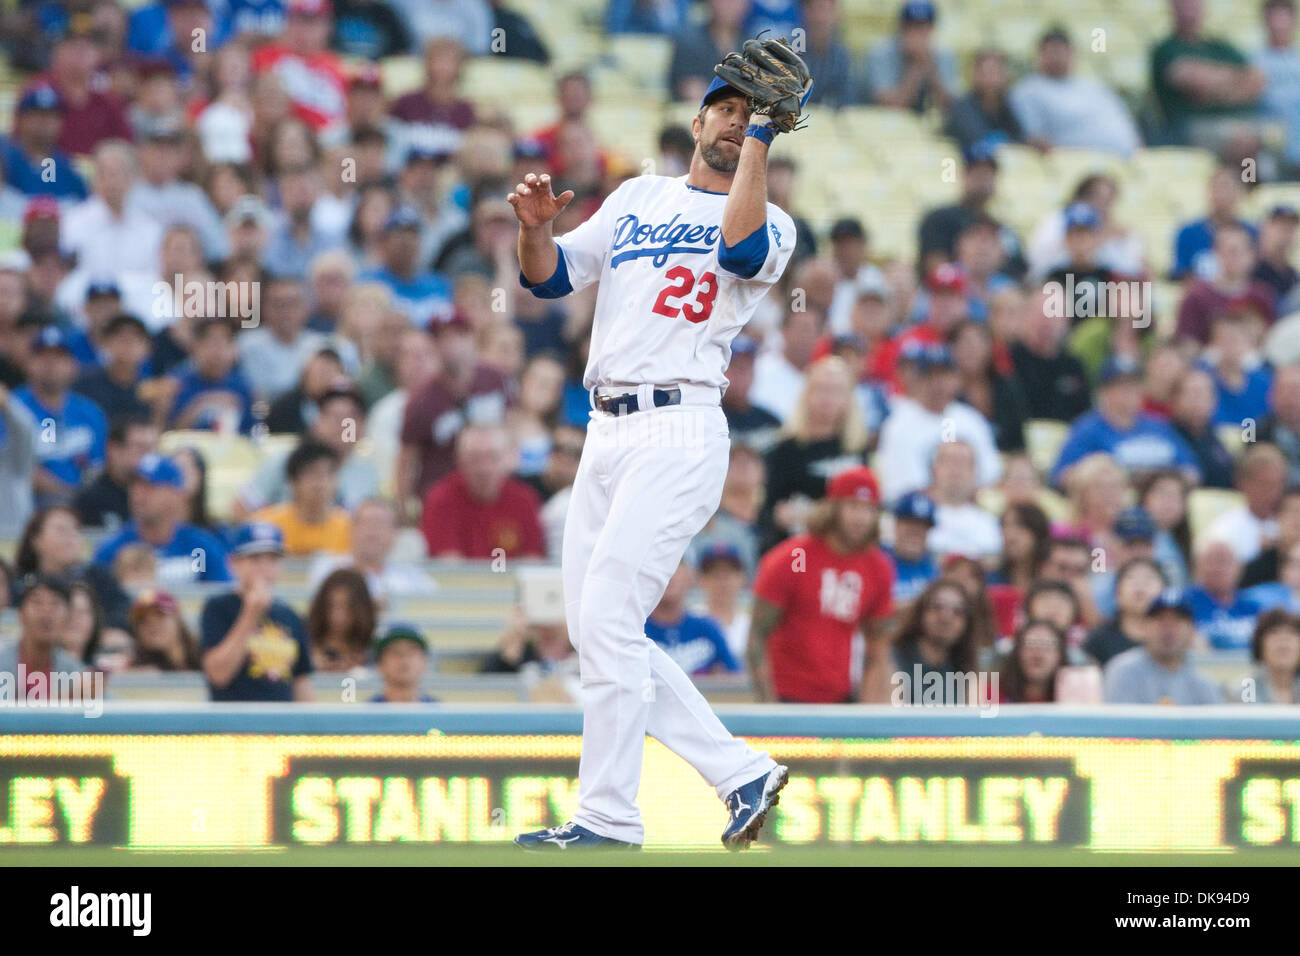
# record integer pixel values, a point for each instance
(311, 75)
(467, 392)
(814, 591)
(89, 115)
(479, 510)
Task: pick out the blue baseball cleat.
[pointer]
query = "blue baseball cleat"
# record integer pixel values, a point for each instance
(749, 805)
(569, 836)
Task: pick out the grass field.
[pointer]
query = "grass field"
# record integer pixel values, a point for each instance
(496, 856)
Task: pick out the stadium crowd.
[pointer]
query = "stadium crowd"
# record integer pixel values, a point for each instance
(974, 478)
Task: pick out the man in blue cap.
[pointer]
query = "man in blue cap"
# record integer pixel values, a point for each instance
(71, 429)
(906, 70)
(254, 646)
(32, 162)
(422, 295)
(1139, 442)
(1158, 671)
(1081, 278)
(914, 564)
(184, 552)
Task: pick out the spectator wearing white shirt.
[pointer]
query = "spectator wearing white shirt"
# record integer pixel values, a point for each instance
(779, 373)
(960, 525)
(722, 581)
(1056, 107)
(110, 239)
(925, 416)
(1252, 526)
(374, 533)
(162, 195)
(1121, 249)
(854, 273)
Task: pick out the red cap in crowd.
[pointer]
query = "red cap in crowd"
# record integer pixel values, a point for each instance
(946, 277)
(309, 8)
(366, 75)
(857, 484)
(41, 207)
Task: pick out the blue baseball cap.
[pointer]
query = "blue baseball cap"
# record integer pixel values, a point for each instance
(257, 537)
(1120, 367)
(1172, 599)
(50, 337)
(40, 97)
(1284, 211)
(916, 507)
(720, 551)
(99, 288)
(982, 151)
(403, 217)
(926, 356)
(743, 345)
(1135, 524)
(918, 11)
(718, 89)
(1079, 215)
(160, 470)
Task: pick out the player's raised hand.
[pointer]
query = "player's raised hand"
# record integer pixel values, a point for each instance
(535, 203)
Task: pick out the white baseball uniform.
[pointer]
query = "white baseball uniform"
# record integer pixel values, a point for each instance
(671, 299)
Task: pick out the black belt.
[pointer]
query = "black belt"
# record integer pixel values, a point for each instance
(627, 403)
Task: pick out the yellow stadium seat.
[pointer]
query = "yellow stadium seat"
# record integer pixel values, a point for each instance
(1231, 437)
(1043, 440)
(1204, 505)
(642, 58)
(401, 74)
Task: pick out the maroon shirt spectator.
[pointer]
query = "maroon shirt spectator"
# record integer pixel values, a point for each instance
(1233, 291)
(435, 115)
(479, 510)
(89, 115)
(466, 393)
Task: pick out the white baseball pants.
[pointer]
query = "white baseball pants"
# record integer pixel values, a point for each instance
(647, 482)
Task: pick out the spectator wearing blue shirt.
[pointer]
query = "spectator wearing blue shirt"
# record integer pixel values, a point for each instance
(914, 565)
(1118, 427)
(694, 642)
(31, 161)
(211, 390)
(1194, 243)
(425, 297)
(71, 430)
(254, 646)
(1223, 614)
(1242, 384)
(185, 553)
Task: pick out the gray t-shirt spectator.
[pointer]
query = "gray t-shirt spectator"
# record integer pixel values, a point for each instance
(17, 463)
(885, 71)
(64, 662)
(1134, 677)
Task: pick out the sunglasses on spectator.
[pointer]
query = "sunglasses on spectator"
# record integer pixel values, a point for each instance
(952, 607)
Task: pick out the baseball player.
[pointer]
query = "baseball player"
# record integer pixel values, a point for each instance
(682, 264)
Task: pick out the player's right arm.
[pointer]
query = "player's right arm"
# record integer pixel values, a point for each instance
(536, 207)
(764, 619)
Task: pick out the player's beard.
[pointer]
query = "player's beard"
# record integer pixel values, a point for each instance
(716, 159)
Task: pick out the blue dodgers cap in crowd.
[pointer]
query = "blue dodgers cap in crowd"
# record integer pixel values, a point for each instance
(1119, 368)
(718, 89)
(403, 217)
(918, 11)
(100, 288)
(257, 537)
(1079, 215)
(160, 470)
(1284, 211)
(915, 506)
(926, 356)
(50, 337)
(719, 551)
(1135, 524)
(743, 345)
(40, 97)
(1172, 599)
(981, 151)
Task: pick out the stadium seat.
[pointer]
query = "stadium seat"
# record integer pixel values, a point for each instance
(1204, 505)
(1043, 440)
(1231, 437)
